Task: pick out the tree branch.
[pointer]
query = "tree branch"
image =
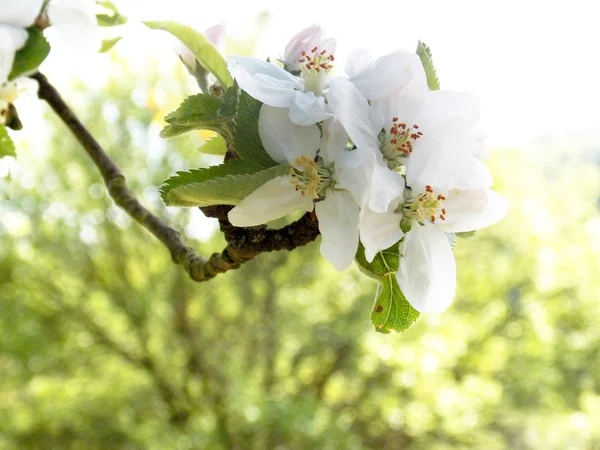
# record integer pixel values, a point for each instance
(243, 243)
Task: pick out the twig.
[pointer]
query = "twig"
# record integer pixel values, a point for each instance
(243, 243)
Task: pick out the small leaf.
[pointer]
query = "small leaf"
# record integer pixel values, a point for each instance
(426, 58)
(197, 112)
(391, 310)
(33, 54)
(205, 52)
(230, 101)
(108, 44)
(466, 234)
(110, 20)
(247, 140)
(7, 146)
(225, 184)
(214, 146)
(197, 109)
(384, 262)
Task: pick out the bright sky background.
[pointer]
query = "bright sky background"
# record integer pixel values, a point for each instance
(534, 64)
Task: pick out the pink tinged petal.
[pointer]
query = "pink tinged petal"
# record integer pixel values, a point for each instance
(388, 75)
(379, 231)
(274, 199)
(338, 224)
(472, 210)
(308, 109)
(216, 35)
(20, 13)
(11, 40)
(329, 45)
(387, 187)
(362, 122)
(476, 176)
(303, 41)
(357, 62)
(427, 274)
(75, 22)
(283, 140)
(264, 81)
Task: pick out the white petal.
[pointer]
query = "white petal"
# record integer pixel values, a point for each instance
(427, 274)
(20, 13)
(476, 176)
(362, 122)
(472, 210)
(388, 74)
(338, 223)
(274, 199)
(283, 140)
(264, 81)
(333, 142)
(308, 109)
(358, 61)
(354, 172)
(443, 154)
(11, 40)
(75, 22)
(378, 231)
(387, 186)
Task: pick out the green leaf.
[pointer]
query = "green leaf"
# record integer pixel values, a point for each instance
(225, 184)
(391, 310)
(108, 44)
(426, 58)
(7, 146)
(205, 52)
(214, 146)
(384, 262)
(203, 112)
(33, 54)
(465, 234)
(110, 20)
(247, 140)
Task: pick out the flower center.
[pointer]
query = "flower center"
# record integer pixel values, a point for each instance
(398, 142)
(427, 206)
(310, 176)
(315, 65)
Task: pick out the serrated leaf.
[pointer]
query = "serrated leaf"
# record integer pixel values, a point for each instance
(247, 140)
(33, 54)
(7, 146)
(225, 184)
(214, 146)
(384, 262)
(108, 44)
(197, 109)
(427, 60)
(205, 52)
(197, 112)
(230, 101)
(391, 310)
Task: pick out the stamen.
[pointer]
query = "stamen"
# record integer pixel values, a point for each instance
(426, 206)
(310, 176)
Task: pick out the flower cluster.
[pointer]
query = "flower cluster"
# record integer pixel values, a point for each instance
(380, 158)
(74, 21)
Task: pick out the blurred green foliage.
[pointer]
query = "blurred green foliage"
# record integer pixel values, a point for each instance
(105, 344)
